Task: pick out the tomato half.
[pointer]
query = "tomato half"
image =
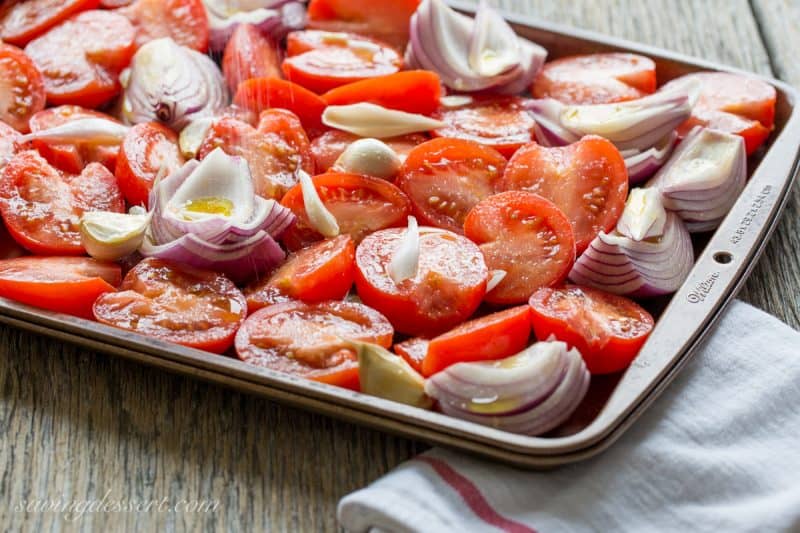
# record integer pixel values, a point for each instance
(388, 21)
(445, 178)
(183, 20)
(9, 137)
(587, 180)
(22, 21)
(344, 60)
(310, 340)
(287, 126)
(273, 161)
(64, 284)
(361, 205)
(327, 148)
(596, 78)
(608, 330)
(501, 123)
(42, 206)
(249, 55)
(324, 271)
(21, 88)
(259, 94)
(413, 351)
(449, 285)
(82, 57)
(146, 148)
(71, 157)
(527, 237)
(494, 336)
(176, 303)
(732, 103)
(412, 91)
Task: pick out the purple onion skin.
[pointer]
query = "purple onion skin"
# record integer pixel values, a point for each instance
(291, 16)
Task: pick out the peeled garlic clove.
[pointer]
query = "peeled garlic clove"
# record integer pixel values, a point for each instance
(387, 375)
(321, 219)
(111, 236)
(97, 131)
(193, 135)
(644, 216)
(405, 261)
(370, 120)
(370, 157)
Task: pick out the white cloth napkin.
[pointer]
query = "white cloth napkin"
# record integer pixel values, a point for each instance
(718, 451)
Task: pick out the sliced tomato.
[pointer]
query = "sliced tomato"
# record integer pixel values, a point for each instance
(82, 57)
(413, 351)
(176, 303)
(288, 127)
(449, 285)
(273, 161)
(327, 148)
(608, 330)
(344, 60)
(300, 42)
(310, 340)
(361, 205)
(67, 285)
(259, 94)
(501, 123)
(9, 137)
(42, 206)
(587, 180)
(146, 149)
(23, 20)
(445, 178)
(185, 21)
(596, 78)
(73, 157)
(527, 237)
(21, 88)
(324, 271)
(388, 21)
(494, 336)
(412, 91)
(732, 103)
(249, 55)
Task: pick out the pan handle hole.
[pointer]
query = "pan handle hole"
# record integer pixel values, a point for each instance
(723, 258)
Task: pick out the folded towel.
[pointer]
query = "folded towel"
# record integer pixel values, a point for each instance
(718, 451)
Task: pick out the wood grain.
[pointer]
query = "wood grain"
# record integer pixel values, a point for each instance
(76, 425)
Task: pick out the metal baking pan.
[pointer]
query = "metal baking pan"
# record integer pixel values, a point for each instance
(613, 403)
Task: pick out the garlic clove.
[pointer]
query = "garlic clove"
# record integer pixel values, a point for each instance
(111, 236)
(318, 215)
(370, 120)
(370, 157)
(405, 261)
(387, 375)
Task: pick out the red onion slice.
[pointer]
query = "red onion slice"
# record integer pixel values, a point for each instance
(643, 164)
(275, 19)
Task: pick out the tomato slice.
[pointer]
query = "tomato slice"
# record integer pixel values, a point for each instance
(388, 21)
(9, 137)
(82, 57)
(183, 20)
(412, 91)
(259, 94)
(343, 60)
(494, 336)
(176, 303)
(361, 205)
(23, 20)
(273, 161)
(501, 123)
(67, 285)
(146, 148)
(73, 157)
(449, 285)
(249, 55)
(288, 127)
(596, 78)
(732, 103)
(445, 178)
(324, 271)
(327, 148)
(310, 340)
(587, 180)
(42, 207)
(21, 88)
(527, 237)
(413, 351)
(608, 330)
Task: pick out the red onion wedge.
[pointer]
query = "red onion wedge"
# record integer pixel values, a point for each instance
(472, 54)
(207, 215)
(274, 18)
(529, 393)
(703, 178)
(643, 164)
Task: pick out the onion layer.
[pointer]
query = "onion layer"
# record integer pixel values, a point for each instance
(529, 393)
(274, 18)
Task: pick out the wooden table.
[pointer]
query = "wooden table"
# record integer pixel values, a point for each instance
(78, 425)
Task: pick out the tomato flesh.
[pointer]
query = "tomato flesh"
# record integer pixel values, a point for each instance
(176, 303)
(22, 21)
(448, 287)
(259, 94)
(67, 285)
(388, 21)
(21, 88)
(527, 237)
(249, 55)
(310, 340)
(9, 137)
(146, 148)
(327, 148)
(185, 21)
(412, 91)
(608, 330)
(413, 351)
